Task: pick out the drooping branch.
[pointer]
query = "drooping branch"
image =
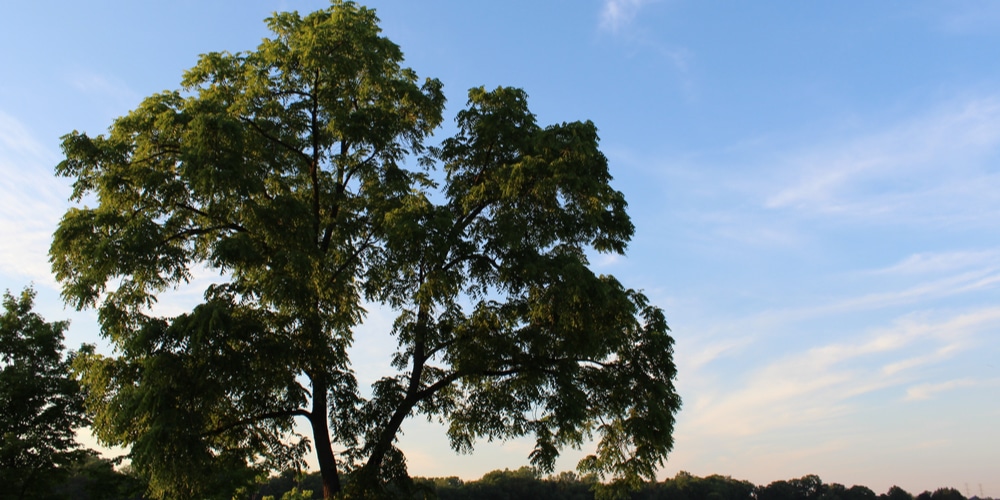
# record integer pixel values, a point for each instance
(353, 257)
(474, 256)
(189, 208)
(257, 418)
(464, 221)
(456, 375)
(224, 225)
(440, 384)
(162, 151)
(198, 231)
(291, 148)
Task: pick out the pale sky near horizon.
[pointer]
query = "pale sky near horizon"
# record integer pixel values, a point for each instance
(815, 188)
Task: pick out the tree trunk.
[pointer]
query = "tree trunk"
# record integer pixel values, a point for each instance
(372, 468)
(369, 472)
(321, 438)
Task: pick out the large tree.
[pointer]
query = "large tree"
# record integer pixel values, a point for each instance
(41, 406)
(285, 169)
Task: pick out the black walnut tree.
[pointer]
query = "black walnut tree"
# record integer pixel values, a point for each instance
(285, 169)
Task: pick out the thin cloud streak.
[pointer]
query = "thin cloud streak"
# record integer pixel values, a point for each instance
(699, 354)
(706, 354)
(816, 386)
(16, 142)
(950, 286)
(942, 156)
(924, 392)
(936, 262)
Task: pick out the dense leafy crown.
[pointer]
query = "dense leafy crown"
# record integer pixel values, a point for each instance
(41, 407)
(284, 170)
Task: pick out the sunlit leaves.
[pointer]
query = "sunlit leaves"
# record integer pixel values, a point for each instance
(285, 169)
(275, 167)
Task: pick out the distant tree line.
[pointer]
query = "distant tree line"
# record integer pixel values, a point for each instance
(526, 483)
(95, 478)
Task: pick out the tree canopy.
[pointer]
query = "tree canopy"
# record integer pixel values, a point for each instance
(300, 172)
(41, 406)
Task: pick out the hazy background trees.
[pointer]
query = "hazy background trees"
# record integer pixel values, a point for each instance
(525, 483)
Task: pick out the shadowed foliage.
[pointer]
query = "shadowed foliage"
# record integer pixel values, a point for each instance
(41, 406)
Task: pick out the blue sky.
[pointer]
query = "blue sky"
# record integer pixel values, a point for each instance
(815, 186)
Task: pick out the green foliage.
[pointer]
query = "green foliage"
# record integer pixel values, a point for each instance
(947, 494)
(175, 377)
(41, 406)
(517, 484)
(283, 169)
(857, 492)
(95, 478)
(288, 480)
(685, 486)
(811, 487)
(294, 494)
(896, 493)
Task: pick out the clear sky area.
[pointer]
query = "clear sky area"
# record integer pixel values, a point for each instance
(815, 188)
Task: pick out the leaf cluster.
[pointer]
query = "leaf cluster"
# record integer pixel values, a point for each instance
(171, 391)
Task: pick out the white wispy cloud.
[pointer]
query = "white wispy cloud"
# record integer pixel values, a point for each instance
(939, 276)
(606, 260)
(921, 360)
(934, 165)
(17, 143)
(705, 354)
(938, 262)
(816, 385)
(616, 14)
(927, 391)
(911, 295)
(31, 202)
(619, 17)
(951, 285)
